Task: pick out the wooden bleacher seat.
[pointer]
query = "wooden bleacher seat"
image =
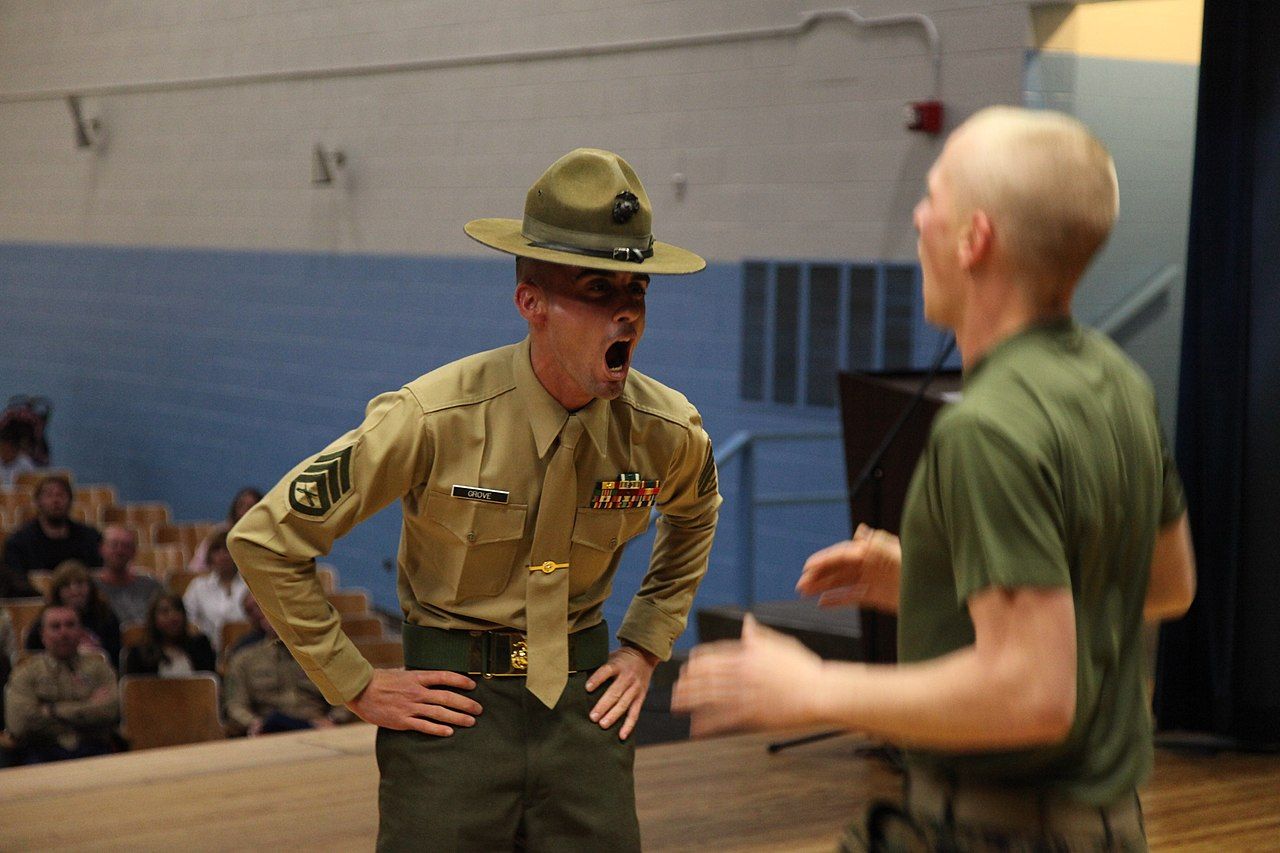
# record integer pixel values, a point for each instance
(179, 581)
(22, 613)
(383, 653)
(141, 516)
(169, 711)
(328, 577)
(195, 532)
(133, 634)
(232, 631)
(163, 559)
(91, 501)
(102, 494)
(85, 514)
(29, 479)
(350, 602)
(11, 501)
(41, 580)
(369, 627)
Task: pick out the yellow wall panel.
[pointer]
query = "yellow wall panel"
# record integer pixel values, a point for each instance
(1152, 30)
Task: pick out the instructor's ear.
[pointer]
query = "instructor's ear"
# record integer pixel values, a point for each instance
(531, 302)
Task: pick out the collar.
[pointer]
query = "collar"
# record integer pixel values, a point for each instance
(1061, 328)
(547, 416)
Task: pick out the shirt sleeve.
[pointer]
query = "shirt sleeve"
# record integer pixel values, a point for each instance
(276, 544)
(689, 506)
(91, 713)
(23, 716)
(235, 689)
(1002, 510)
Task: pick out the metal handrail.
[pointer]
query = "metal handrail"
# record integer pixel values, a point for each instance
(1139, 300)
(741, 446)
(807, 21)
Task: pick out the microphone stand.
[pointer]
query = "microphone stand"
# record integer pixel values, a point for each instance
(869, 470)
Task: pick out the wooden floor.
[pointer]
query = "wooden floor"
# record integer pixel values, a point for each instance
(317, 791)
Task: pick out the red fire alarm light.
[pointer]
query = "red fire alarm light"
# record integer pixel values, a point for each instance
(925, 116)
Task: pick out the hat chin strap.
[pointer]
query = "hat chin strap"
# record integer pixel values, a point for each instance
(544, 236)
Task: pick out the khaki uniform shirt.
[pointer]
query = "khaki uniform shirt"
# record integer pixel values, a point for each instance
(485, 423)
(264, 678)
(49, 701)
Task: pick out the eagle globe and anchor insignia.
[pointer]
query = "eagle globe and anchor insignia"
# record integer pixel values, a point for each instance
(321, 484)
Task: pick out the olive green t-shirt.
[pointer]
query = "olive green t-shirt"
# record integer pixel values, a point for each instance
(1051, 471)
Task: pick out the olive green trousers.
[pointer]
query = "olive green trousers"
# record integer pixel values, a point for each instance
(524, 777)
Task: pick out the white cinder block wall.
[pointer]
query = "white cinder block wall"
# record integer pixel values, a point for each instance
(791, 147)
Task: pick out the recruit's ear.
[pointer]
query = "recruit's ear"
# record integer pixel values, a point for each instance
(976, 240)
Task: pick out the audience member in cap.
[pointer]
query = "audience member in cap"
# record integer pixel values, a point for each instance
(128, 592)
(63, 702)
(172, 647)
(49, 538)
(214, 599)
(72, 587)
(240, 504)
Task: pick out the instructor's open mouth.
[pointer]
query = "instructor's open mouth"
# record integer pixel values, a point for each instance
(617, 357)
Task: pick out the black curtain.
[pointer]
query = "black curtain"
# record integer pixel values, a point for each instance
(1219, 668)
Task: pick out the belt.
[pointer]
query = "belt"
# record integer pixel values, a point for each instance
(1021, 811)
(494, 653)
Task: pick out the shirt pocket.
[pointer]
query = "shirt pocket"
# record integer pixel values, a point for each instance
(598, 534)
(479, 543)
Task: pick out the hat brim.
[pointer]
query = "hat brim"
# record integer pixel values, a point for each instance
(504, 235)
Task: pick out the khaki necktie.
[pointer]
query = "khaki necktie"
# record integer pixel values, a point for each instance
(547, 597)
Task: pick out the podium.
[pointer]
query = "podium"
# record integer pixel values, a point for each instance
(870, 406)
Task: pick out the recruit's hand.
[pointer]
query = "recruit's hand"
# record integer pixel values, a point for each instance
(861, 571)
(630, 668)
(408, 699)
(765, 681)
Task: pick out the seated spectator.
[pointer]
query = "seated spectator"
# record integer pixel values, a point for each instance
(267, 691)
(172, 648)
(62, 703)
(72, 587)
(128, 593)
(14, 436)
(49, 538)
(214, 599)
(255, 634)
(240, 504)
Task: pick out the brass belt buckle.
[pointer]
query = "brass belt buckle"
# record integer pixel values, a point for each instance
(519, 655)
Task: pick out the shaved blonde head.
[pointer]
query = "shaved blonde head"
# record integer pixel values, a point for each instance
(1046, 183)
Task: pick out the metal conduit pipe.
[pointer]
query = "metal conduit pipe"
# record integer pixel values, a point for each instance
(807, 21)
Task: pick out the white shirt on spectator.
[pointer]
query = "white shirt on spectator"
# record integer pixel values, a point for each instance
(210, 605)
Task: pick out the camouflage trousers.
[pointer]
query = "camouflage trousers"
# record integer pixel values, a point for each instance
(982, 820)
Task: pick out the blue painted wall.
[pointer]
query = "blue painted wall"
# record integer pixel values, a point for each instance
(181, 375)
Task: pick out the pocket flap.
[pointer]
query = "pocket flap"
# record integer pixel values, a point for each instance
(475, 522)
(608, 529)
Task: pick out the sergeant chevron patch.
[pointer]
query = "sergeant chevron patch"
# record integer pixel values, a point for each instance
(321, 484)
